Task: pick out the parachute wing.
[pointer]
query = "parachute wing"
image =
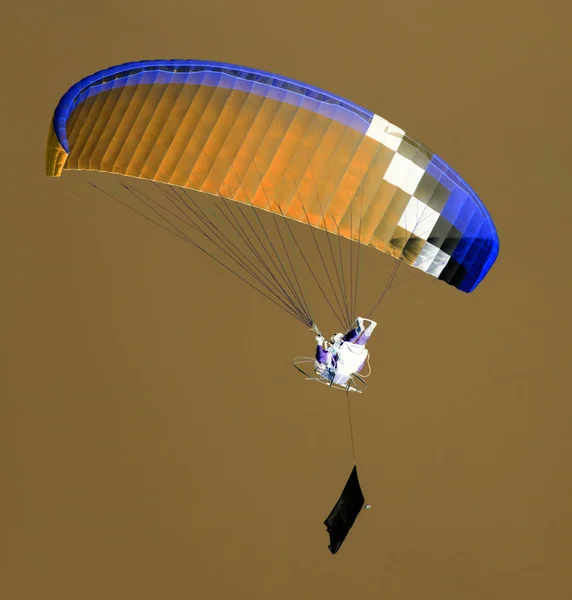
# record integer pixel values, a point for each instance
(282, 146)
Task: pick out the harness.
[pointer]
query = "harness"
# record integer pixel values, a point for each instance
(344, 360)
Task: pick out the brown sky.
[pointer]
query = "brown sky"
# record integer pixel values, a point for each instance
(133, 468)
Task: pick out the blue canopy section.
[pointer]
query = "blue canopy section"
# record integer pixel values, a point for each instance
(471, 226)
(210, 73)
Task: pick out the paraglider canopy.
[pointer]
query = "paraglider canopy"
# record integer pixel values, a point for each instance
(281, 146)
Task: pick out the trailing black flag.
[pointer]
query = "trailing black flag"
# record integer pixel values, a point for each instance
(345, 512)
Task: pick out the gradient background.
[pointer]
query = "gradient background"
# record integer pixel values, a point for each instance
(129, 472)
